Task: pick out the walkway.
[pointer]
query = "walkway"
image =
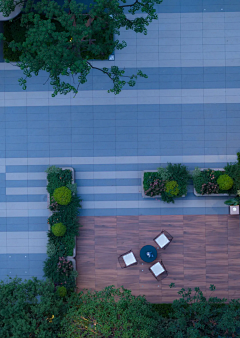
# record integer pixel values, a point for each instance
(187, 111)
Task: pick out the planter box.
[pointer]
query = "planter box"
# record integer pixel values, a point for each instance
(215, 195)
(142, 179)
(48, 201)
(234, 209)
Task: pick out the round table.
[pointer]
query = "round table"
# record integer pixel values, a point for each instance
(148, 253)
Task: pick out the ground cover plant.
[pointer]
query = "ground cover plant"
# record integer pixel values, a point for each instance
(170, 182)
(66, 52)
(64, 205)
(30, 309)
(37, 309)
(210, 181)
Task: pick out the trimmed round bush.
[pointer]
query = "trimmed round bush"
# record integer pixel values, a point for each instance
(62, 291)
(59, 229)
(172, 188)
(62, 195)
(225, 182)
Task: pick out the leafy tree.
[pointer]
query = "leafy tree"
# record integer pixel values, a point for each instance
(194, 316)
(8, 6)
(110, 313)
(66, 51)
(30, 309)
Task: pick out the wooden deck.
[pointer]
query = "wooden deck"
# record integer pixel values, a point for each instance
(205, 250)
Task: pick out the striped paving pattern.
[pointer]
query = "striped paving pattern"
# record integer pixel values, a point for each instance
(204, 251)
(187, 111)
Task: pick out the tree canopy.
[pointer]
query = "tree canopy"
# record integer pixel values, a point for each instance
(61, 40)
(33, 309)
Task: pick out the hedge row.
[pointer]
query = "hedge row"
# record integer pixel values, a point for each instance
(64, 226)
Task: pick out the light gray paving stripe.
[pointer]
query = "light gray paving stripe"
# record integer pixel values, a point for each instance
(153, 204)
(23, 242)
(148, 96)
(81, 190)
(119, 160)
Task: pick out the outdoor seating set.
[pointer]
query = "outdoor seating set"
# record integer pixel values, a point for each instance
(148, 254)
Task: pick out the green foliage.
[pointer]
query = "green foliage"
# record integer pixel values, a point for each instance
(154, 182)
(233, 201)
(238, 157)
(59, 229)
(67, 51)
(164, 174)
(58, 179)
(61, 246)
(233, 170)
(72, 187)
(172, 188)
(153, 185)
(225, 182)
(62, 291)
(206, 181)
(26, 308)
(59, 270)
(8, 6)
(196, 316)
(51, 249)
(164, 310)
(53, 170)
(13, 31)
(110, 313)
(62, 195)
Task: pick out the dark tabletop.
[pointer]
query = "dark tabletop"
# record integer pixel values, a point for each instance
(144, 256)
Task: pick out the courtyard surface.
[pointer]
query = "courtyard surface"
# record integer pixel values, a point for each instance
(187, 111)
(204, 251)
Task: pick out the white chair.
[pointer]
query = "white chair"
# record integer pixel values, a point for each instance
(163, 239)
(158, 270)
(127, 259)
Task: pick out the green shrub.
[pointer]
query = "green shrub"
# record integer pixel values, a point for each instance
(233, 170)
(51, 249)
(225, 182)
(164, 310)
(62, 291)
(233, 201)
(172, 188)
(154, 183)
(62, 195)
(59, 229)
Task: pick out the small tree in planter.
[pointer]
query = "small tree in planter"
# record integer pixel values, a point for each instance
(168, 183)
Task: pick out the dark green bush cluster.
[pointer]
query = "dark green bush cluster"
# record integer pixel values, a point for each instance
(64, 227)
(13, 31)
(169, 182)
(62, 195)
(211, 181)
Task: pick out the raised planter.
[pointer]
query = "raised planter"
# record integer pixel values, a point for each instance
(142, 178)
(215, 195)
(48, 200)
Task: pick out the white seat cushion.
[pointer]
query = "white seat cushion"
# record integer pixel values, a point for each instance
(162, 240)
(157, 269)
(129, 259)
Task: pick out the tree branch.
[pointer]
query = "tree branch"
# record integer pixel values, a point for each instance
(136, 2)
(108, 73)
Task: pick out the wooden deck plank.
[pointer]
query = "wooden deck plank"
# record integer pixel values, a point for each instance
(204, 251)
